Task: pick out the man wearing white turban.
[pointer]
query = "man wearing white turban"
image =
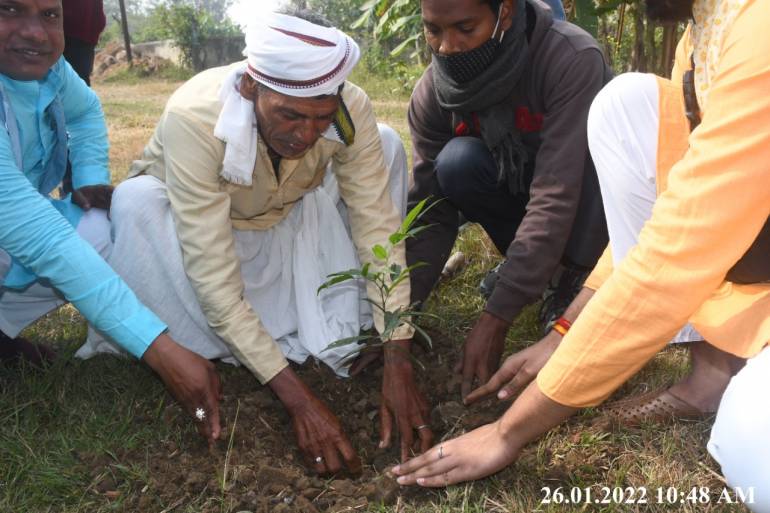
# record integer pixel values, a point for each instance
(261, 179)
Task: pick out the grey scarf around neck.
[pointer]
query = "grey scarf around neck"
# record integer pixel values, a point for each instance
(490, 96)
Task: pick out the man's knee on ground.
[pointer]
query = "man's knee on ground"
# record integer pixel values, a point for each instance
(739, 441)
(459, 163)
(140, 199)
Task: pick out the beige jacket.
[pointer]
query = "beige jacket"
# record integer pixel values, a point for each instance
(184, 153)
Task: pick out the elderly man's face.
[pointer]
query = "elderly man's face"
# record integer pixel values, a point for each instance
(289, 125)
(454, 26)
(31, 37)
(669, 10)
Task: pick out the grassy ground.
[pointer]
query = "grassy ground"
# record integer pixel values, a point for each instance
(57, 425)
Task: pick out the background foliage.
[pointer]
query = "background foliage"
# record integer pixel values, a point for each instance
(390, 31)
(190, 23)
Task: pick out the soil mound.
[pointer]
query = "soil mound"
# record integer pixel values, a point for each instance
(263, 470)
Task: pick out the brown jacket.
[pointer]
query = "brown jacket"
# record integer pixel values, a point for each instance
(566, 70)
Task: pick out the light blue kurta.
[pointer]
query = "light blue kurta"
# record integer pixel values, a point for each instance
(38, 231)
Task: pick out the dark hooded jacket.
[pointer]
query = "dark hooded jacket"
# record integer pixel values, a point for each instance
(566, 70)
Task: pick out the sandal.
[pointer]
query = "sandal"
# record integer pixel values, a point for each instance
(659, 406)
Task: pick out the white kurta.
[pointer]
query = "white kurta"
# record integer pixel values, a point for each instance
(282, 269)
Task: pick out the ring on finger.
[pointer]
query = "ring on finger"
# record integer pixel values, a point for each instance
(200, 414)
(440, 451)
(421, 426)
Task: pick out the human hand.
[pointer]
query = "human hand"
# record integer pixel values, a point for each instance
(191, 379)
(474, 455)
(518, 370)
(402, 400)
(482, 351)
(93, 196)
(320, 437)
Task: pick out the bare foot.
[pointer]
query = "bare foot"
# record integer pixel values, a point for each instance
(711, 371)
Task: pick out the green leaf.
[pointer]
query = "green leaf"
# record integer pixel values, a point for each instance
(354, 272)
(365, 270)
(361, 21)
(397, 237)
(380, 252)
(368, 5)
(407, 43)
(347, 340)
(375, 304)
(395, 271)
(418, 229)
(392, 321)
(421, 331)
(414, 313)
(337, 279)
(411, 216)
(402, 21)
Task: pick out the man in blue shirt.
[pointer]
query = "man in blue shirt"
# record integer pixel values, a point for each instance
(48, 111)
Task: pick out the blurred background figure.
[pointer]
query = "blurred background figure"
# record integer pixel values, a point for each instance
(84, 22)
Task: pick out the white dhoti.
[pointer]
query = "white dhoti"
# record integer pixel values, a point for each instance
(20, 308)
(623, 138)
(281, 268)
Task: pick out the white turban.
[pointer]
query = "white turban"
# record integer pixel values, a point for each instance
(288, 55)
(297, 58)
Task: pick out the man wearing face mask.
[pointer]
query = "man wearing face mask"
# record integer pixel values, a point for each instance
(683, 163)
(498, 125)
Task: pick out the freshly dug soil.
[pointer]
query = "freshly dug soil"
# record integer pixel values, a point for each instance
(264, 471)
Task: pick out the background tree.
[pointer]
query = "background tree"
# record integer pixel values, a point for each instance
(192, 24)
(630, 40)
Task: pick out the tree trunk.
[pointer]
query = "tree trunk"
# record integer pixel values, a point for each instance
(605, 38)
(126, 36)
(639, 57)
(652, 49)
(669, 47)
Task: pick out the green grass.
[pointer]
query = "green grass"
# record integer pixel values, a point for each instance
(65, 433)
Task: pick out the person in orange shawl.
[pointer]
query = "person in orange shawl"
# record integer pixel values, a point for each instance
(683, 166)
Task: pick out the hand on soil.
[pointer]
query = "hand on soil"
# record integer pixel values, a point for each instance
(460, 459)
(518, 370)
(191, 379)
(402, 400)
(482, 351)
(319, 434)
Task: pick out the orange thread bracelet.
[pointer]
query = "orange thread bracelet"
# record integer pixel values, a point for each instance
(561, 330)
(562, 326)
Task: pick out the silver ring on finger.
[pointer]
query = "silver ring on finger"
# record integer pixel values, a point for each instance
(440, 451)
(200, 414)
(421, 426)
(319, 459)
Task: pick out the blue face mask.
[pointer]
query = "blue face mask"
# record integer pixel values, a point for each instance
(465, 66)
